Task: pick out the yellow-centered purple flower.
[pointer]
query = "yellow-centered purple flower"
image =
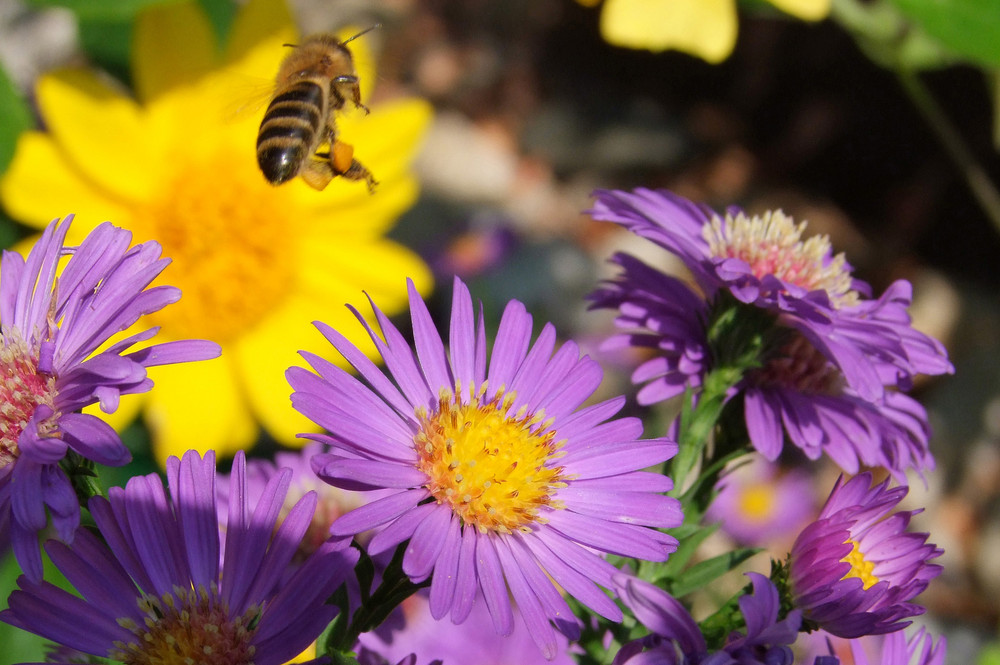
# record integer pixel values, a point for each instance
(856, 569)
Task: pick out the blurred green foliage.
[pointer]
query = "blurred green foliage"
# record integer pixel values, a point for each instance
(14, 118)
(968, 28)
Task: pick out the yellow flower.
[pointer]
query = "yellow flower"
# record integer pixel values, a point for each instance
(705, 28)
(256, 264)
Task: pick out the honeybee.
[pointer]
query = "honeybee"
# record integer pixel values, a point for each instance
(315, 80)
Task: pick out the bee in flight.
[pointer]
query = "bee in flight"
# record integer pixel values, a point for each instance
(315, 80)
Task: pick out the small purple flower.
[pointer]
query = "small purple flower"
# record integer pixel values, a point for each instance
(332, 502)
(53, 323)
(891, 649)
(758, 503)
(159, 591)
(855, 569)
(676, 639)
(412, 629)
(896, 649)
(497, 478)
(835, 359)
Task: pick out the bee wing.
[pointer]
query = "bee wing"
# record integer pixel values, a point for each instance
(247, 100)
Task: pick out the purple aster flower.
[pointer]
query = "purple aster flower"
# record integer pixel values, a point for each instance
(412, 629)
(498, 479)
(159, 590)
(896, 649)
(52, 328)
(835, 357)
(332, 502)
(758, 503)
(821, 648)
(855, 569)
(676, 639)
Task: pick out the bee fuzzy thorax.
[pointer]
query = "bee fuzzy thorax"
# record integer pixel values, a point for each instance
(319, 56)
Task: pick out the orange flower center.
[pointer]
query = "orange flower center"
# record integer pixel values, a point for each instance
(861, 568)
(757, 501)
(188, 627)
(493, 468)
(224, 229)
(773, 245)
(22, 389)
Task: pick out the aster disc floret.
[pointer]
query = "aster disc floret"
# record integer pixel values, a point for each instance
(856, 569)
(53, 323)
(499, 480)
(676, 639)
(159, 591)
(832, 360)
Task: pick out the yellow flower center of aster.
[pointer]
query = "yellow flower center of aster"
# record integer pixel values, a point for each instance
(800, 366)
(22, 389)
(493, 468)
(188, 627)
(224, 228)
(861, 568)
(773, 245)
(757, 501)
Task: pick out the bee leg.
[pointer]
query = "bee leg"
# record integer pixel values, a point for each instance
(317, 173)
(343, 164)
(351, 83)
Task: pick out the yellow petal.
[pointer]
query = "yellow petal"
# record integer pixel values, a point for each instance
(173, 44)
(263, 355)
(199, 406)
(348, 208)
(101, 132)
(41, 184)
(338, 272)
(807, 10)
(257, 22)
(390, 136)
(705, 28)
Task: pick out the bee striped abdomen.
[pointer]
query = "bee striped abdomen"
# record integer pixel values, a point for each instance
(290, 131)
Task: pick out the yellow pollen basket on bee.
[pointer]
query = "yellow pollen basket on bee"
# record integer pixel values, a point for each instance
(772, 245)
(493, 467)
(861, 568)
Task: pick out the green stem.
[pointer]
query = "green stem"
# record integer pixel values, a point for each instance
(393, 590)
(978, 181)
(698, 423)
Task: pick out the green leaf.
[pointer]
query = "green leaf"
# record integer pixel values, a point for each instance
(14, 119)
(706, 571)
(969, 28)
(220, 14)
(990, 654)
(688, 544)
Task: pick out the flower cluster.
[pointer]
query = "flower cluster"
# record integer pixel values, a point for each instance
(831, 365)
(55, 326)
(462, 492)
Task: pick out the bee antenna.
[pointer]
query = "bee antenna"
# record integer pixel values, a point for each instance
(363, 32)
(291, 45)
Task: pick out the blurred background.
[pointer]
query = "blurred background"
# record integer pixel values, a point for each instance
(876, 121)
